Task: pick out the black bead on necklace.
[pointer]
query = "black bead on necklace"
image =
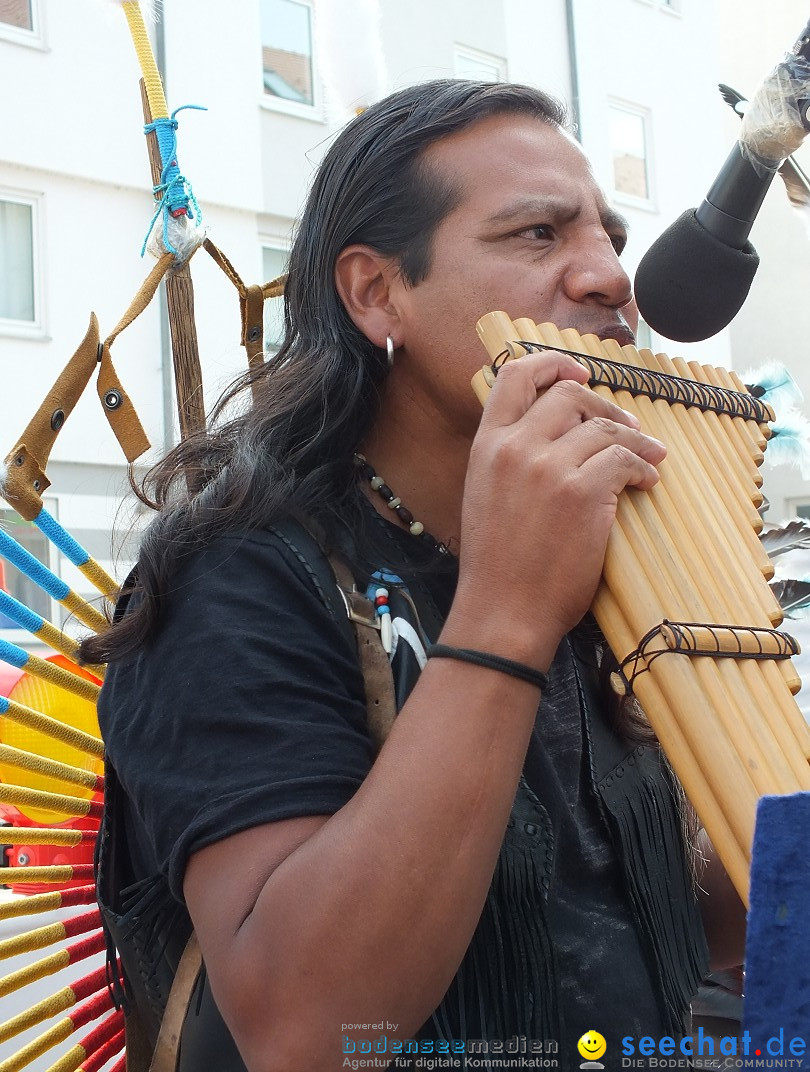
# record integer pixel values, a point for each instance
(394, 503)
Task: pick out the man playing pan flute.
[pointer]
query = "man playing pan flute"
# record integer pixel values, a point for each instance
(511, 863)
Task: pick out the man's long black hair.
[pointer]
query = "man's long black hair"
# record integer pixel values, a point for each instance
(290, 452)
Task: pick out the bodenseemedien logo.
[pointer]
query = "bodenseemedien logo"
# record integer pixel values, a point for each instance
(592, 1046)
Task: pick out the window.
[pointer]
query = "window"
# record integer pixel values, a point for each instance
(274, 264)
(20, 22)
(478, 66)
(16, 583)
(628, 147)
(17, 261)
(644, 339)
(287, 51)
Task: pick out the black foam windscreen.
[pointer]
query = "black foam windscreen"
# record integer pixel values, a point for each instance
(689, 285)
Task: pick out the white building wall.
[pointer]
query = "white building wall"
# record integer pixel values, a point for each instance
(250, 162)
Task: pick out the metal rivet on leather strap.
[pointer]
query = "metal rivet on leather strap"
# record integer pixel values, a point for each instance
(113, 399)
(254, 333)
(20, 459)
(57, 419)
(37, 485)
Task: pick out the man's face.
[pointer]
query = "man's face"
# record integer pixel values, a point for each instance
(532, 235)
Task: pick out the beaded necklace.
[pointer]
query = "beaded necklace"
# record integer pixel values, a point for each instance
(394, 503)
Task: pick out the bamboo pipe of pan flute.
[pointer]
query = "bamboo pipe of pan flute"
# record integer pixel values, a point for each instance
(750, 431)
(744, 605)
(728, 541)
(759, 433)
(705, 429)
(697, 787)
(748, 448)
(553, 338)
(682, 598)
(739, 452)
(681, 673)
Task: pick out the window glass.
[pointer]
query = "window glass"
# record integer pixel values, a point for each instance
(16, 261)
(16, 583)
(17, 13)
(274, 265)
(628, 145)
(287, 50)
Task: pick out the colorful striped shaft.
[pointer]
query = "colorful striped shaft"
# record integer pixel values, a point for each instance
(43, 835)
(83, 1014)
(43, 630)
(71, 549)
(41, 937)
(45, 579)
(72, 954)
(146, 59)
(96, 1061)
(57, 873)
(21, 796)
(49, 902)
(51, 727)
(59, 1002)
(85, 1054)
(52, 768)
(54, 675)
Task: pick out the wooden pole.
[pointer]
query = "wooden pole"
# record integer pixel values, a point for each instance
(182, 326)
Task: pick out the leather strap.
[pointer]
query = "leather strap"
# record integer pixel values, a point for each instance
(167, 1047)
(381, 708)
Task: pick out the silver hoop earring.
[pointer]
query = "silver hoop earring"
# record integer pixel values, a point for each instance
(389, 351)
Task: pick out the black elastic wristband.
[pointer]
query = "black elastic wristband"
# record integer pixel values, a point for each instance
(491, 662)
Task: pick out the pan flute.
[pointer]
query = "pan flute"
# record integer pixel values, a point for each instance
(684, 601)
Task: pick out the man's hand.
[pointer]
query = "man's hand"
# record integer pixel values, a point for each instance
(546, 469)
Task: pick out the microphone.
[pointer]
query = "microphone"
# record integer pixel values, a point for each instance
(695, 277)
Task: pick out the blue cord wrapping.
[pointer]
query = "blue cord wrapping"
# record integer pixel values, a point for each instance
(175, 192)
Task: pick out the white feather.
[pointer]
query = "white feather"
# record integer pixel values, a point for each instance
(790, 442)
(3, 474)
(350, 56)
(780, 387)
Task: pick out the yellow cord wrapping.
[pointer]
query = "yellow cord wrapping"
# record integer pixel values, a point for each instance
(46, 1041)
(51, 768)
(19, 796)
(52, 727)
(100, 579)
(37, 835)
(85, 612)
(32, 940)
(30, 906)
(146, 58)
(23, 976)
(58, 873)
(43, 1010)
(51, 635)
(63, 679)
(70, 1062)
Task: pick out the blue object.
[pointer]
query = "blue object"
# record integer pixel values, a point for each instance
(18, 615)
(50, 527)
(25, 562)
(776, 1009)
(176, 195)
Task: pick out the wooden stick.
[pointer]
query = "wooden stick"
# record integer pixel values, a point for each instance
(183, 328)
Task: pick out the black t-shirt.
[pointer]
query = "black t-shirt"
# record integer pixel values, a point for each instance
(248, 707)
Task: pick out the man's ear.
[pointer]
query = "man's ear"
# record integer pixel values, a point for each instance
(363, 279)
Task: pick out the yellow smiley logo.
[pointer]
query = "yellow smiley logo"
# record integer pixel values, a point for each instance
(592, 1045)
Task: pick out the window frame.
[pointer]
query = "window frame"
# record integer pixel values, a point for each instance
(315, 111)
(645, 115)
(29, 329)
(19, 636)
(33, 38)
(477, 55)
(277, 245)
